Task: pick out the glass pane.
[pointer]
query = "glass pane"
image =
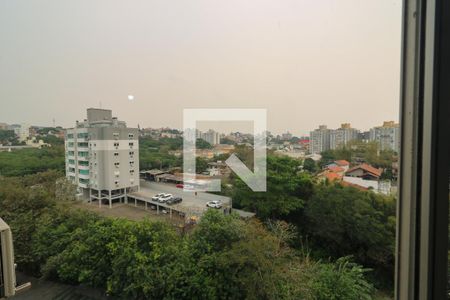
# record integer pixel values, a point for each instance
(202, 150)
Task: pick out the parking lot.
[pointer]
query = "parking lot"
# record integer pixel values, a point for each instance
(193, 204)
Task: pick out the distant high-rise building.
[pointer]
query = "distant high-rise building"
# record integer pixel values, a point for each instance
(319, 140)
(198, 134)
(23, 132)
(341, 136)
(286, 136)
(102, 157)
(364, 136)
(211, 136)
(387, 136)
(4, 126)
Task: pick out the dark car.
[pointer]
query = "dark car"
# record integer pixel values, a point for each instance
(174, 200)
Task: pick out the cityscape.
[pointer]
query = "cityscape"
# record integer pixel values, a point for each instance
(213, 150)
(116, 170)
(319, 140)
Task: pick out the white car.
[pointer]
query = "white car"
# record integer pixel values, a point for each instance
(214, 204)
(157, 196)
(165, 197)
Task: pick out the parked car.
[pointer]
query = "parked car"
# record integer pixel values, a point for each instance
(174, 200)
(157, 196)
(214, 204)
(165, 197)
(185, 186)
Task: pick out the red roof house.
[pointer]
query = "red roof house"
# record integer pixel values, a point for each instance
(365, 171)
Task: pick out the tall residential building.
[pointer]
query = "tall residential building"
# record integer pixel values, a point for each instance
(23, 132)
(364, 136)
(4, 126)
(319, 140)
(387, 136)
(211, 137)
(286, 136)
(341, 136)
(102, 157)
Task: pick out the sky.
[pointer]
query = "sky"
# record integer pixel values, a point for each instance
(307, 62)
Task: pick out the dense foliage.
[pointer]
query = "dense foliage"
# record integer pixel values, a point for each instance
(8, 137)
(286, 192)
(30, 161)
(334, 220)
(344, 220)
(224, 257)
(154, 153)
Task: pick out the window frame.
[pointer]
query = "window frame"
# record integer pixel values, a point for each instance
(422, 211)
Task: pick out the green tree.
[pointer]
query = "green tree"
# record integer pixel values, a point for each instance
(287, 189)
(345, 221)
(202, 144)
(201, 164)
(30, 161)
(8, 137)
(310, 165)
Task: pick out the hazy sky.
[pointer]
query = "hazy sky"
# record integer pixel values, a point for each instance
(307, 61)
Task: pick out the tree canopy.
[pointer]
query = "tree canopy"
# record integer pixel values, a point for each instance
(224, 257)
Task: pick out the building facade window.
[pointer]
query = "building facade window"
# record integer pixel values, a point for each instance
(83, 172)
(83, 144)
(83, 153)
(82, 135)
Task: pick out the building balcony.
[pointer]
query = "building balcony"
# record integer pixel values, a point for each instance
(84, 176)
(83, 185)
(83, 182)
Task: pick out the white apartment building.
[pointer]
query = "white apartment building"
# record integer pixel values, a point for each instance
(319, 140)
(341, 136)
(210, 136)
(102, 157)
(387, 136)
(23, 132)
